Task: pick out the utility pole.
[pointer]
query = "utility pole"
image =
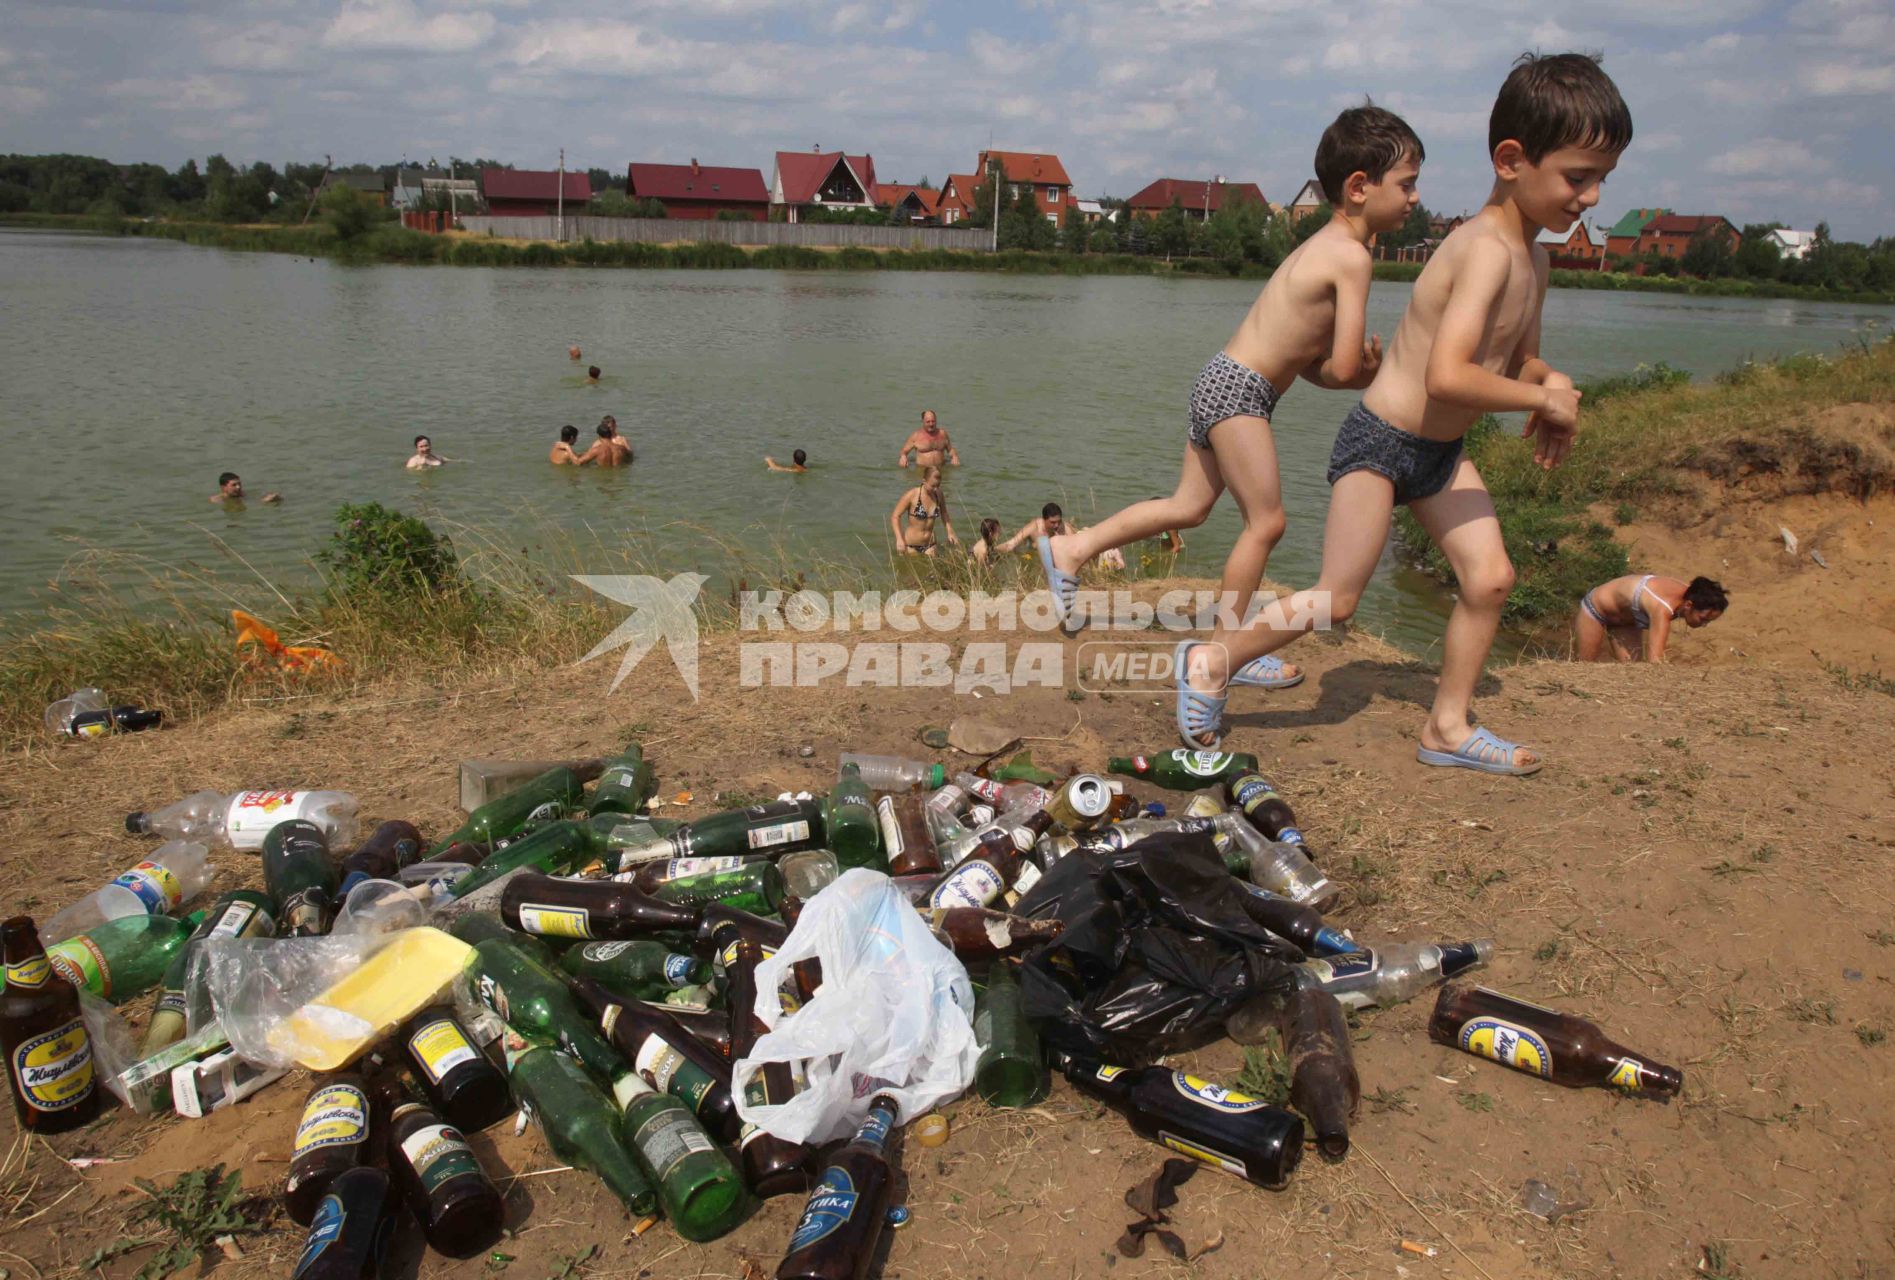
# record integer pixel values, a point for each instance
(993, 167)
(328, 163)
(559, 223)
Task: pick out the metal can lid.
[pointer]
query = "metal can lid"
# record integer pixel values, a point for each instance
(898, 1216)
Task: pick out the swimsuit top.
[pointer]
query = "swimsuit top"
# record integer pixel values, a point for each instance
(920, 512)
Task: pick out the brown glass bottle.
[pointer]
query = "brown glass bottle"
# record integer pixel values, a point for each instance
(348, 1236)
(712, 935)
(771, 1166)
(990, 870)
(459, 1208)
(1323, 1081)
(709, 1027)
(1561, 1047)
(976, 933)
(534, 903)
(667, 1056)
(464, 1085)
(390, 847)
(906, 838)
(331, 1138)
(49, 1057)
(836, 1236)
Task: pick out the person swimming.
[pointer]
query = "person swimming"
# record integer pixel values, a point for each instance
(573, 351)
(592, 375)
(425, 456)
(610, 449)
(984, 546)
(563, 454)
(799, 461)
(1639, 609)
(230, 491)
(914, 517)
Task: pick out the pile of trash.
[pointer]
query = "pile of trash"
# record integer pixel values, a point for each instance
(699, 1012)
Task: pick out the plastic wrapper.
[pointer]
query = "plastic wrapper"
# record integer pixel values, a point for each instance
(894, 1014)
(382, 906)
(1157, 950)
(258, 984)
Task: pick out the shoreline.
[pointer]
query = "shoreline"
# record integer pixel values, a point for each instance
(394, 245)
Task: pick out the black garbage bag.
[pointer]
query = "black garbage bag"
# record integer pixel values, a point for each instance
(1157, 950)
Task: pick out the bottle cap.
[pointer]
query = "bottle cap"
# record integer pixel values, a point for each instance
(137, 823)
(898, 1216)
(931, 1130)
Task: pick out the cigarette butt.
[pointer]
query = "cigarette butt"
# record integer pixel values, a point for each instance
(642, 1226)
(228, 1244)
(1420, 1250)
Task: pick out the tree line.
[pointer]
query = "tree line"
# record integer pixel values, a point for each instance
(1829, 263)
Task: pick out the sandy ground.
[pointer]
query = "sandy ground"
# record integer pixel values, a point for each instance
(1702, 868)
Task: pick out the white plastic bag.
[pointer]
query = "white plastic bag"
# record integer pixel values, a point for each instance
(894, 1014)
(258, 984)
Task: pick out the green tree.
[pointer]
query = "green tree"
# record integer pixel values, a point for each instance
(347, 211)
(1310, 223)
(1411, 232)
(1757, 255)
(1708, 256)
(1173, 237)
(1073, 231)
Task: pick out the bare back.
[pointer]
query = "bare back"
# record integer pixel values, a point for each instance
(1292, 324)
(1399, 393)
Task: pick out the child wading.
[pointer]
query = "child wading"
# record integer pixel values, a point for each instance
(1468, 344)
(1309, 322)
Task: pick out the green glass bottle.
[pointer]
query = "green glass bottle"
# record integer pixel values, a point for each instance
(301, 876)
(1012, 1070)
(477, 927)
(625, 786)
(1183, 770)
(851, 829)
(699, 1188)
(635, 970)
(122, 958)
(775, 827)
(556, 848)
(547, 796)
(579, 1121)
(613, 833)
(241, 913)
(536, 1002)
(754, 886)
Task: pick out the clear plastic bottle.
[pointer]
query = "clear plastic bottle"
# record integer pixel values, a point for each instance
(241, 820)
(1281, 868)
(1005, 794)
(60, 715)
(960, 846)
(893, 773)
(175, 873)
(1387, 975)
(943, 810)
(807, 872)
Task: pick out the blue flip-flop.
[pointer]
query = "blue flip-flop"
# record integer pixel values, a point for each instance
(1197, 713)
(1482, 752)
(1265, 673)
(1063, 585)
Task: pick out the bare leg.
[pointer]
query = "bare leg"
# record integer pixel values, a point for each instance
(1589, 638)
(1199, 484)
(1461, 521)
(1626, 641)
(1246, 456)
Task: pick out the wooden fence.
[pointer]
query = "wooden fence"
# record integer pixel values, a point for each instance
(674, 230)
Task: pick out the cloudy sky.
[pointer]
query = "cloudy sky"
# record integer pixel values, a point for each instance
(1753, 110)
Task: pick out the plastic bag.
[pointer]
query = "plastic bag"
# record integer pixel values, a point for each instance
(258, 984)
(894, 1014)
(382, 906)
(1156, 953)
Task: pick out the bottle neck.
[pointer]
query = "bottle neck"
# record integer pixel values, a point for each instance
(21, 940)
(877, 1124)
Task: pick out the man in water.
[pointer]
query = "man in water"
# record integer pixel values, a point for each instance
(230, 491)
(799, 461)
(610, 449)
(931, 445)
(425, 455)
(592, 375)
(563, 454)
(573, 351)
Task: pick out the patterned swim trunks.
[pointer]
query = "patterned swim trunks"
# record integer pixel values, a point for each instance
(1416, 466)
(1227, 389)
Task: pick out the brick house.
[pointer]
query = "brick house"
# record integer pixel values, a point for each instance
(371, 185)
(917, 204)
(1621, 237)
(1199, 199)
(956, 200)
(700, 191)
(533, 193)
(827, 178)
(1021, 169)
(1579, 247)
(1670, 234)
(1309, 198)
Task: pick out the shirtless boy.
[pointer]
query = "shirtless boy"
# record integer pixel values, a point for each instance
(931, 445)
(1309, 322)
(425, 456)
(1468, 344)
(610, 449)
(563, 454)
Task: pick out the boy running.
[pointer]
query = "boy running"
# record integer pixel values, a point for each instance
(1308, 322)
(1469, 344)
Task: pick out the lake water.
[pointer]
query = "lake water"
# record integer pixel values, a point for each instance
(137, 370)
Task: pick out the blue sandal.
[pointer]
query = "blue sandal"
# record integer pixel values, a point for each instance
(1063, 585)
(1265, 673)
(1482, 752)
(1197, 713)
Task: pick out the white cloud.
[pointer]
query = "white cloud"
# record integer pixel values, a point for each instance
(1836, 79)
(1000, 55)
(191, 94)
(1766, 156)
(264, 46)
(21, 99)
(398, 26)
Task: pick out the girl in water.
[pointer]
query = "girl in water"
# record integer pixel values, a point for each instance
(914, 516)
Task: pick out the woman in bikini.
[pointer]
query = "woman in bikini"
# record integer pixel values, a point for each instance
(914, 516)
(1640, 609)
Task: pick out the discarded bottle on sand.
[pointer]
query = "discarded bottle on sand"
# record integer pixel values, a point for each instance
(475, 928)
(1255, 796)
(986, 874)
(669, 1058)
(773, 828)
(537, 1003)
(127, 718)
(893, 773)
(699, 1189)
(461, 1082)
(975, 934)
(390, 847)
(300, 876)
(1209, 1123)
(549, 795)
(625, 785)
(771, 1165)
(176, 872)
(484, 780)
(240, 821)
(1389, 974)
(850, 830)
(122, 958)
(1011, 1071)
(907, 839)
(1293, 922)
(807, 872)
(589, 909)
(60, 714)
(460, 1210)
(557, 847)
(1561, 1047)
(49, 1057)
(348, 1238)
(842, 1221)
(241, 913)
(635, 970)
(1283, 869)
(331, 1138)
(942, 811)
(1323, 1081)
(580, 1123)
(1184, 770)
(750, 886)
(1004, 795)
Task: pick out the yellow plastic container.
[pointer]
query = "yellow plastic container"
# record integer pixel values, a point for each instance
(395, 983)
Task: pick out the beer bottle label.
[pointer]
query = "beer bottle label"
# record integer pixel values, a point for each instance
(1506, 1042)
(306, 911)
(678, 868)
(440, 1047)
(556, 922)
(600, 952)
(1202, 764)
(1202, 1154)
(235, 921)
(669, 1071)
(547, 812)
(891, 828)
(1215, 1096)
(80, 962)
(1351, 964)
(667, 1138)
(974, 883)
(621, 776)
(53, 1071)
(336, 1115)
(491, 994)
(1251, 791)
(324, 1230)
(438, 1152)
(776, 833)
(1289, 835)
(831, 1205)
(30, 972)
(172, 1002)
(1627, 1075)
(678, 969)
(154, 886)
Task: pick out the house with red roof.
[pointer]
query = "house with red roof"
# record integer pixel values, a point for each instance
(1199, 199)
(916, 204)
(700, 191)
(533, 193)
(829, 179)
(1670, 234)
(1041, 171)
(956, 200)
(1579, 247)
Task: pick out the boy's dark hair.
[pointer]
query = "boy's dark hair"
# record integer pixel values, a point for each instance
(418, 440)
(1367, 139)
(1703, 593)
(226, 478)
(989, 529)
(799, 457)
(592, 371)
(606, 429)
(569, 434)
(1559, 100)
(1050, 510)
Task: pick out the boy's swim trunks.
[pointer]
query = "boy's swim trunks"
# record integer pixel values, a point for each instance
(1227, 389)
(1417, 467)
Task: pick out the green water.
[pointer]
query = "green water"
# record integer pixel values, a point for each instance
(138, 369)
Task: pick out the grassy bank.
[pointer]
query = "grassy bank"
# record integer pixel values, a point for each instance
(1644, 436)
